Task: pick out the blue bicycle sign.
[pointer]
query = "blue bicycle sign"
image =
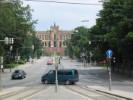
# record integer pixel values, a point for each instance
(109, 53)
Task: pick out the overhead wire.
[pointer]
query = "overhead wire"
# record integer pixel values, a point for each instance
(78, 3)
(74, 3)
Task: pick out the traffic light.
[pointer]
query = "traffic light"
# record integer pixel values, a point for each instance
(11, 40)
(6, 40)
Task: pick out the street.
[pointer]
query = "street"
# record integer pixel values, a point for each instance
(90, 79)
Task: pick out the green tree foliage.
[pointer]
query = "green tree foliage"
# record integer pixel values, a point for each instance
(78, 42)
(16, 22)
(113, 30)
(116, 26)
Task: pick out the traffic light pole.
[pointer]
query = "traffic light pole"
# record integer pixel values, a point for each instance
(56, 74)
(56, 78)
(0, 78)
(1, 66)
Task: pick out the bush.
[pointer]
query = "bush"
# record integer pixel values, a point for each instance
(20, 62)
(9, 65)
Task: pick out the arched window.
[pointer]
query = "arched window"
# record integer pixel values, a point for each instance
(54, 43)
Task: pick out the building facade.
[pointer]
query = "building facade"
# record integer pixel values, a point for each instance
(54, 39)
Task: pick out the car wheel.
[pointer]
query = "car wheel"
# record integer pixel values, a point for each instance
(73, 83)
(68, 82)
(22, 77)
(45, 81)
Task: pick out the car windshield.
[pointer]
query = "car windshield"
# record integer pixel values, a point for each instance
(16, 71)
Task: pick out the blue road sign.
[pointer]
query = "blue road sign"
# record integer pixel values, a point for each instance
(109, 53)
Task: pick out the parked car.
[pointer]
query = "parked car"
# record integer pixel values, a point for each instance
(18, 74)
(103, 62)
(49, 63)
(67, 76)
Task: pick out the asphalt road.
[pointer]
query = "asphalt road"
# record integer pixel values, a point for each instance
(88, 76)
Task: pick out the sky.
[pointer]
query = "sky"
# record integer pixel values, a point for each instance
(66, 16)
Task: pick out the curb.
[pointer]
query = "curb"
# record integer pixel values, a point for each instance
(114, 94)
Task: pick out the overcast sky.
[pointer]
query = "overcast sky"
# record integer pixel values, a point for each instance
(66, 16)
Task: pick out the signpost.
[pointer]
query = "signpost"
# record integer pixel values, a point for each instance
(55, 62)
(109, 54)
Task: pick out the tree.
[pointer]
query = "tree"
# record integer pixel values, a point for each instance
(116, 21)
(16, 22)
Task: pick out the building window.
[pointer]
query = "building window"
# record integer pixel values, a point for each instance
(54, 36)
(60, 44)
(63, 43)
(54, 43)
(42, 37)
(60, 37)
(49, 44)
(49, 37)
(45, 44)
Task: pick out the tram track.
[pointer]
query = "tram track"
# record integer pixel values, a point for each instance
(24, 93)
(92, 94)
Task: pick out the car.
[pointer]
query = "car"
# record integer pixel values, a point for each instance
(65, 76)
(103, 62)
(18, 74)
(49, 63)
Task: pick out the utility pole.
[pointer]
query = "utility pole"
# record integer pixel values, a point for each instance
(55, 62)
(56, 74)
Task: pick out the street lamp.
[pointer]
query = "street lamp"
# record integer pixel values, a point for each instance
(85, 21)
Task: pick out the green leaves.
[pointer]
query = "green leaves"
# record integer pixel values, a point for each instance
(16, 22)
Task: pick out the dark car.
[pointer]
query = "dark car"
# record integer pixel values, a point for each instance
(18, 74)
(67, 76)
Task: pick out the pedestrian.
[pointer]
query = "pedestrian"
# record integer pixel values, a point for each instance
(59, 60)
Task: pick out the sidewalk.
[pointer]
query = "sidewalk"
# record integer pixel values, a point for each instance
(119, 93)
